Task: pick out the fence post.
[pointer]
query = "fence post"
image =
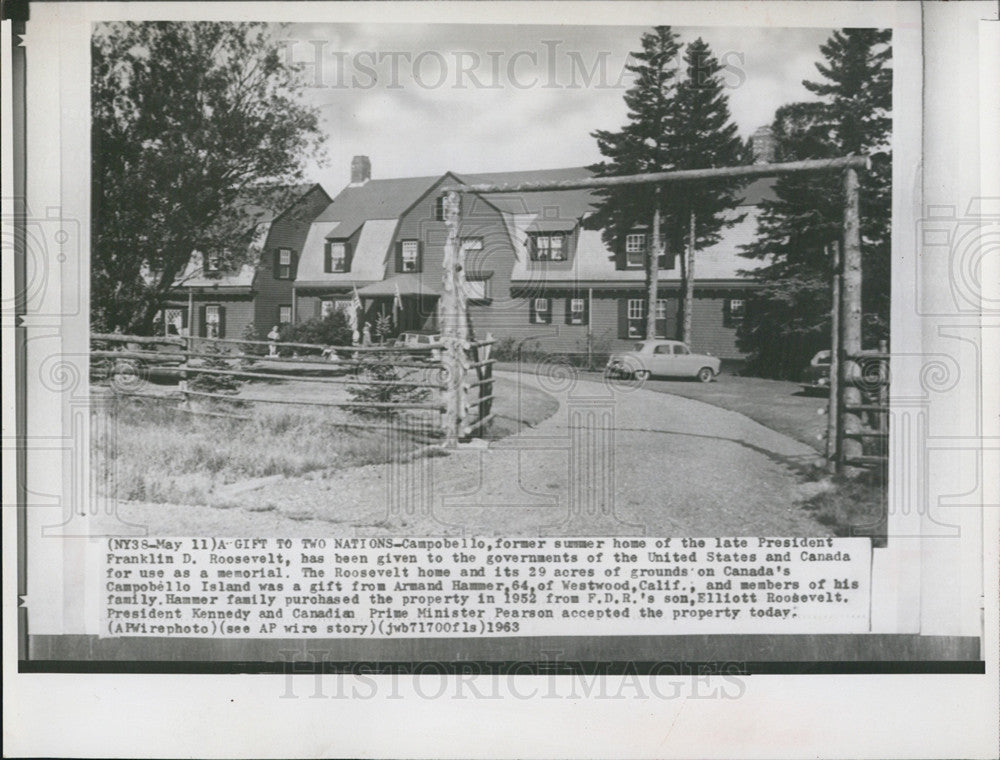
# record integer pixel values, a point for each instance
(182, 385)
(851, 446)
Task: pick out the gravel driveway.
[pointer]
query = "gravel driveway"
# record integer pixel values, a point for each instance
(612, 461)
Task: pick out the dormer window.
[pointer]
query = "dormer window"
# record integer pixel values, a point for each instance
(211, 263)
(439, 205)
(548, 246)
(635, 249)
(337, 258)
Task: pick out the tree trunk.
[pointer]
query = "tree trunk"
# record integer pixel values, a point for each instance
(653, 269)
(688, 281)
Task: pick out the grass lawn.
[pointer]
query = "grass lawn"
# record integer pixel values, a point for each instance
(159, 453)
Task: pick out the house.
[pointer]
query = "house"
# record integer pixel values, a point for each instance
(533, 272)
(207, 302)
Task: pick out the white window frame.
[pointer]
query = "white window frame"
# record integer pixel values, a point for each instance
(635, 244)
(284, 263)
(636, 309)
(326, 307)
(281, 311)
(335, 267)
(661, 309)
(576, 315)
(211, 262)
(544, 311)
(213, 317)
(410, 255)
(550, 251)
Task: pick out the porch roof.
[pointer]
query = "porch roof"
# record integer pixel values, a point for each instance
(409, 284)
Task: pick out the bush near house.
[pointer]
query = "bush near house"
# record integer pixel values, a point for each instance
(331, 330)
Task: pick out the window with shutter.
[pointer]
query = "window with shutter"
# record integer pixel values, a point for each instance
(283, 267)
(732, 313)
(409, 256)
(635, 250)
(213, 314)
(541, 311)
(636, 315)
(336, 257)
(576, 311)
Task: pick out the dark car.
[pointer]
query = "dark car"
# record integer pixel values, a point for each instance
(816, 377)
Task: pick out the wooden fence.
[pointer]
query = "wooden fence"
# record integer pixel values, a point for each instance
(423, 368)
(864, 421)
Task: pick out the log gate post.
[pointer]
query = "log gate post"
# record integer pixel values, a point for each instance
(850, 313)
(454, 321)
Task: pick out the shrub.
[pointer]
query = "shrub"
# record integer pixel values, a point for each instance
(398, 392)
(331, 330)
(250, 333)
(215, 383)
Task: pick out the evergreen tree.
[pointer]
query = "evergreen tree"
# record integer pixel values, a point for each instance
(675, 122)
(642, 145)
(788, 319)
(704, 137)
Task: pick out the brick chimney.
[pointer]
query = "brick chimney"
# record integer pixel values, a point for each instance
(361, 170)
(763, 146)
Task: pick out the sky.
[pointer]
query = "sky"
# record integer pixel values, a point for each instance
(424, 99)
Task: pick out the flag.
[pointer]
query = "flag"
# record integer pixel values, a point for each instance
(355, 307)
(352, 315)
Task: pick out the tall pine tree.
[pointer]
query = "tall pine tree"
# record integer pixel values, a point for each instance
(788, 319)
(678, 119)
(704, 137)
(642, 145)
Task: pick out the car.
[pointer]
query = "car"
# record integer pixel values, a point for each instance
(816, 377)
(421, 339)
(870, 371)
(664, 358)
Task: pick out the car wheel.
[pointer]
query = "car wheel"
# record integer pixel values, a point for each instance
(642, 375)
(705, 374)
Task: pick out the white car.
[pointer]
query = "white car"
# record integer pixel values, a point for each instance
(665, 358)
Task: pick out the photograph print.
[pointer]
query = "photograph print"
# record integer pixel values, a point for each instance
(390, 280)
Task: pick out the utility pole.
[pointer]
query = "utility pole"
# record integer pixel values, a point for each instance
(653, 268)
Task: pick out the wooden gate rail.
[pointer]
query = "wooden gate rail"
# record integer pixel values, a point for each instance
(854, 374)
(483, 365)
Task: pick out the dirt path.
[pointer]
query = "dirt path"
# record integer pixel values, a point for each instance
(611, 461)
